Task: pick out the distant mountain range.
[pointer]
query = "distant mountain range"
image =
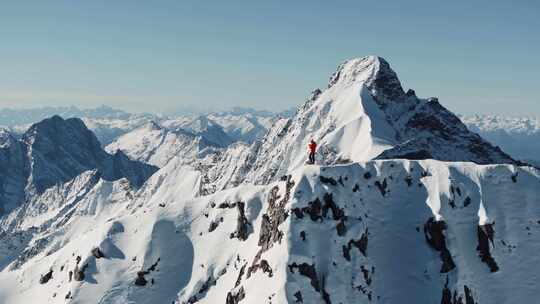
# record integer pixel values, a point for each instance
(404, 204)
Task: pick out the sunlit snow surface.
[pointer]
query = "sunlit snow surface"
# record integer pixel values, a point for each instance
(231, 221)
(164, 221)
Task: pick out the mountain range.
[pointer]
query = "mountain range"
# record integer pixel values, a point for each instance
(404, 203)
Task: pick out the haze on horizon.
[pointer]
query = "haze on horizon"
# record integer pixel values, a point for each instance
(476, 57)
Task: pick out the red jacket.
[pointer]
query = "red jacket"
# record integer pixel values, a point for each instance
(312, 147)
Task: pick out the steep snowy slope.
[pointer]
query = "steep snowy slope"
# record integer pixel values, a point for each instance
(55, 151)
(156, 145)
(364, 114)
(520, 137)
(378, 232)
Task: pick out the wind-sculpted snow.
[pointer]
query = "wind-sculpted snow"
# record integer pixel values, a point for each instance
(375, 232)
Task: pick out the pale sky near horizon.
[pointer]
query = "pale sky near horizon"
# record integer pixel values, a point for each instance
(476, 56)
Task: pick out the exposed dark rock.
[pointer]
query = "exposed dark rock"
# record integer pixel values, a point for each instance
(367, 175)
(328, 180)
(409, 180)
(298, 297)
(240, 275)
(337, 213)
(140, 280)
(242, 224)
(361, 244)
(485, 237)
(382, 186)
(467, 201)
(347, 252)
(514, 177)
(310, 272)
(410, 93)
(45, 278)
(303, 235)
(234, 297)
(226, 205)
(153, 266)
(356, 188)
(340, 181)
(213, 226)
(341, 228)
(434, 233)
(264, 266)
(276, 214)
(468, 295)
(367, 275)
(78, 273)
(446, 294)
(97, 253)
(314, 209)
(455, 298)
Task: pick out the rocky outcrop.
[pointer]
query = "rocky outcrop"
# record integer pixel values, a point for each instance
(434, 233)
(45, 278)
(485, 238)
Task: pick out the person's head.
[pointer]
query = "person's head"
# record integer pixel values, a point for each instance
(312, 141)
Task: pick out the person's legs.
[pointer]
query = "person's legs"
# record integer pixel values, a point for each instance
(312, 158)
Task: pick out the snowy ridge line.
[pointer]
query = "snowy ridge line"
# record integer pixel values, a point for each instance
(305, 237)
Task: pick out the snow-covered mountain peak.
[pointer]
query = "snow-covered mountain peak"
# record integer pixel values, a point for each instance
(59, 131)
(374, 71)
(54, 151)
(364, 114)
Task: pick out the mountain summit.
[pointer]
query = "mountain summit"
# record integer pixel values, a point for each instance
(399, 205)
(364, 114)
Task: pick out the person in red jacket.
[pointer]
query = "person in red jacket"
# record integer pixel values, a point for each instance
(312, 149)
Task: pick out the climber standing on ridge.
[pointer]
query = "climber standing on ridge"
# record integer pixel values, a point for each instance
(312, 149)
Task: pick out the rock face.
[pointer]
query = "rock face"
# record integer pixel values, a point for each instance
(55, 151)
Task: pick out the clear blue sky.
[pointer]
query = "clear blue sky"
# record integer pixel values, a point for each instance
(476, 56)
